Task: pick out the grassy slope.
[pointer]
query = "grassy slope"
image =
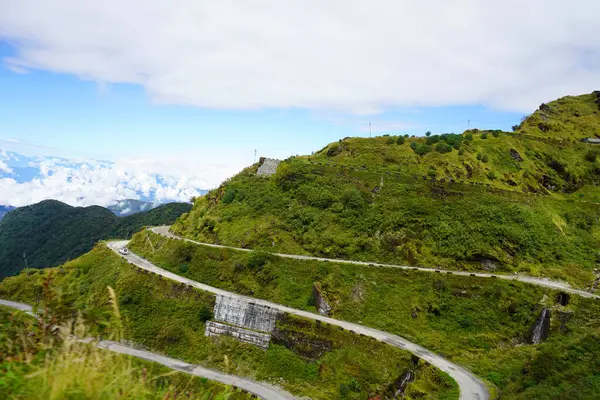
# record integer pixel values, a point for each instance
(51, 232)
(571, 117)
(168, 317)
(33, 367)
(367, 199)
(480, 323)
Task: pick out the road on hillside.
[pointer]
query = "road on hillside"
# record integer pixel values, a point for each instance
(262, 390)
(471, 387)
(164, 231)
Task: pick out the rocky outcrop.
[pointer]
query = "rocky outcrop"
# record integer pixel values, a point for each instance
(564, 317)
(357, 293)
(334, 151)
(244, 313)
(307, 346)
(543, 127)
(596, 281)
(515, 155)
(541, 328)
(244, 335)
(469, 170)
(489, 264)
(597, 94)
(323, 307)
(396, 390)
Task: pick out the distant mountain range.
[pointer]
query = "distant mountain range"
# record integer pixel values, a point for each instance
(50, 233)
(123, 208)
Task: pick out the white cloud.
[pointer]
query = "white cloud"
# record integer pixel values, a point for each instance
(89, 182)
(352, 55)
(5, 168)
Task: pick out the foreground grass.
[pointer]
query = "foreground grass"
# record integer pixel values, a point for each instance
(38, 365)
(483, 324)
(168, 317)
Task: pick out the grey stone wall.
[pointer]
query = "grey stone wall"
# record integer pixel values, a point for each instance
(246, 314)
(268, 167)
(244, 335)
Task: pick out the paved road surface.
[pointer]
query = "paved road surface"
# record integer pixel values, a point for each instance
(164, 230)
(471, 387)
(262, 390)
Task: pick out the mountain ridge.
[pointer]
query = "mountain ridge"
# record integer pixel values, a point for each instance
(50, 232)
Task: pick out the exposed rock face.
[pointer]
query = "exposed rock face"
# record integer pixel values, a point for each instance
(236, 311)
(564, 317)
(489, 264)
(323, 307)
(595, 283)
(268, 166)
(357, 293)
(308, 346)
(546, 182)
(415, 312)
(469, 170)
(397, 389)
(541, 328)
(244, 335)
(543, 127)
(563, 298)
(334, 151)
(515, 155)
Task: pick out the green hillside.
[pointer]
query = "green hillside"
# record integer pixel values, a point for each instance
(483, 324)
(505, 201)
(50, 232)
(170, 318)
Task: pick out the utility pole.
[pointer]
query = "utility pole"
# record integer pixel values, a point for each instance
(25, 258)
(468, 124)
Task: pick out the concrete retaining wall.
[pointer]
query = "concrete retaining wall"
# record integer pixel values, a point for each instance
(268, 166)
(244, 335)
(246, 314)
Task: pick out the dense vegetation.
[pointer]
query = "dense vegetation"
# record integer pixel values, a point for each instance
(49, 233)
(38, 363)
(170, 318)
(510, 201)
(4, 210)
(484, 324)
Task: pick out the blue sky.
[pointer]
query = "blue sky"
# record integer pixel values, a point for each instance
(109, 121)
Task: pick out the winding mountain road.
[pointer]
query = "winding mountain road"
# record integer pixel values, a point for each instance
(471, 387)
(262, 390)
(164, 231)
